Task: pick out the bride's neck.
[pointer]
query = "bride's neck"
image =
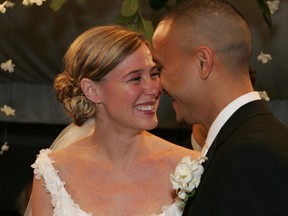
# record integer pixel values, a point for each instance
(120, 149)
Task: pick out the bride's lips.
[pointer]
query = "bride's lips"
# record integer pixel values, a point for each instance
(146, 107)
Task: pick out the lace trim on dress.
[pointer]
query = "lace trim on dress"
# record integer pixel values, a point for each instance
(61, 201)
(171, 210)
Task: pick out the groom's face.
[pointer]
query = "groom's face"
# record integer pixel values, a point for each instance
(176, 70)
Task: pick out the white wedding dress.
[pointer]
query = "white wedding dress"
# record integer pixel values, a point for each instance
(61, 200)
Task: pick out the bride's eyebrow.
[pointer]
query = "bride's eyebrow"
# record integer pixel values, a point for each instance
(138, 71)
(133, 72)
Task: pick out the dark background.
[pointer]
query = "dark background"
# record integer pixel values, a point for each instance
(36, 38)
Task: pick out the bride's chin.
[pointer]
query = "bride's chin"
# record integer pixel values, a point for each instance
(152, 125)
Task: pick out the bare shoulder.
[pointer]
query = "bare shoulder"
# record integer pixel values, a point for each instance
(174, 151)
(63, 158)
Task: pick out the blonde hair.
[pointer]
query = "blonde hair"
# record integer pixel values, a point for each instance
(92, 55)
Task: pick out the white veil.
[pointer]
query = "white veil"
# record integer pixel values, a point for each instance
(71, 134)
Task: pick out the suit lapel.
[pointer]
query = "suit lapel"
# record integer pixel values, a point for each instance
(245, 112)
(239, 117)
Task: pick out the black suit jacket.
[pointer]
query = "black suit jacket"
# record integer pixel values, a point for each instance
(247, 168)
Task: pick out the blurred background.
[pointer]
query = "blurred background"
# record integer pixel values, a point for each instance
(36, 38)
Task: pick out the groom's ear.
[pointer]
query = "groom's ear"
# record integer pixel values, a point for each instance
(205, 59)
(90, 89)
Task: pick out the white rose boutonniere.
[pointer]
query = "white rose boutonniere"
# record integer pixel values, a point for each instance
(187, 177)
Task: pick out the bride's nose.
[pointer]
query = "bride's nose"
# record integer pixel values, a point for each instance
(153, 88)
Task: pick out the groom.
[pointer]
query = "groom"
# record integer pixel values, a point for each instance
(203, 49)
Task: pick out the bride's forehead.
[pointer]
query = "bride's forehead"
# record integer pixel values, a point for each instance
(136, 61)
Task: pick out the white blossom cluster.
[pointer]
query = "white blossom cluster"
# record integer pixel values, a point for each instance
(10, 4)
(273, 5)
(264, 57)
(31, 2)
(7, 66)
(4, 148)
(186, 177)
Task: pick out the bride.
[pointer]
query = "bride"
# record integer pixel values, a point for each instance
(106, 162)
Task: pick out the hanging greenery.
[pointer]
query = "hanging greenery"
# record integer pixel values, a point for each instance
(130, 13)
(131, 16)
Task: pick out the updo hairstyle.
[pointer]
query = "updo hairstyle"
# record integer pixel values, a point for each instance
(92, 55)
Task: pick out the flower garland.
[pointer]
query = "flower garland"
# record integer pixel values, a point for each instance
(186, 178)
(10, 4)
(7, 66)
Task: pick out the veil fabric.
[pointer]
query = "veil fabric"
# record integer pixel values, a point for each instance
(71, 134)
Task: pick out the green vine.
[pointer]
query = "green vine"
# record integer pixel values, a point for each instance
(56, 5)
(130, 16)
(130, 13)
(265, 12)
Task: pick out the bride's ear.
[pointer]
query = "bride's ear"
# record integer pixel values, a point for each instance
(90, 89)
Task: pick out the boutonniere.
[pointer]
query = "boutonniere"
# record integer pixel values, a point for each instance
(186, 177)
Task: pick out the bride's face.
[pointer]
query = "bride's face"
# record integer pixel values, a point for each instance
(130, 93)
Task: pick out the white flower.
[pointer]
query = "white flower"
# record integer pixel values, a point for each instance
(8, 66)
(273, 5)
(187, 177)
(264, 95)
(10, 4)
(31, 2)
(4, 147)
(264, 57)
(3, 7)
(8, 110)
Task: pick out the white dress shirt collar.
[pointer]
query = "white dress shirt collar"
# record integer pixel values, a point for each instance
(225, 114)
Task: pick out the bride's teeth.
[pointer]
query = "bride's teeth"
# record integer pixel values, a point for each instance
(145, 108)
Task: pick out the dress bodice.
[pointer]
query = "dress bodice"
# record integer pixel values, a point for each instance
(62, 201)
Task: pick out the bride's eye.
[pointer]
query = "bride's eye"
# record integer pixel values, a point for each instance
(133, 76)
(136, 79)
